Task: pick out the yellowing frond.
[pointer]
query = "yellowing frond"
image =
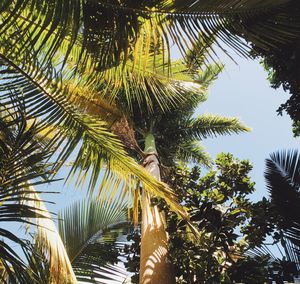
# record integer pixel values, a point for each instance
(51, 244)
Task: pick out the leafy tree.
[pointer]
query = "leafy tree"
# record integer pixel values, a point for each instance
(218, 204)
(219, 207)
(282, 63)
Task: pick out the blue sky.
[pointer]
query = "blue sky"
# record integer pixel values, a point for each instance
(243, 91)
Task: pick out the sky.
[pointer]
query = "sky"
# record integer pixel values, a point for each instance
(243, 91)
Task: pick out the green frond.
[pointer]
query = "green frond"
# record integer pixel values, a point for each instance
(212, 125)
(141, 82)
(283, 179)
(193, 151)
(210, 74)
(90, 229)
(112, 31)
(84, 219)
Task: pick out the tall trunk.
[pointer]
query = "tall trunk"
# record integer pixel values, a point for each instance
(154, 266)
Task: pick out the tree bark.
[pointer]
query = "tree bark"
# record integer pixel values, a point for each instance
(154, 265)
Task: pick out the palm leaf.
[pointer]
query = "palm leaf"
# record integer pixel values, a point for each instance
(22, 161)
(283, 179)
(192, 151)
(157, 22)
(212, 125)
(90, 229)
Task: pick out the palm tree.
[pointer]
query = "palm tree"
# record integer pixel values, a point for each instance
(167, 137)
(44, 43)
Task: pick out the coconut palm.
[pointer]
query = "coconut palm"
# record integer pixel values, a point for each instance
(167, 138)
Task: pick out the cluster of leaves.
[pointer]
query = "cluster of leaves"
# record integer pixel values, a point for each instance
(133, 251)
(218, 204)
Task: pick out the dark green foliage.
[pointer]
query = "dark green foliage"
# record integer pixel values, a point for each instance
(249, 270)
(263, 219)
(218, 204)
(133, 251)
(283, 180)
(282, 63)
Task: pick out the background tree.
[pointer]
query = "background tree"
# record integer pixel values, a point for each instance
(281, 63)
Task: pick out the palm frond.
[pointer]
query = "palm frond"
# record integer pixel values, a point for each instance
(90, 229)
(83, 219)
(50, 244)
(22, 160)
(212, 125)
(283, 179)
(144, 83)
(193, 151)
(150, 82)
(103, 259)
(111, 30)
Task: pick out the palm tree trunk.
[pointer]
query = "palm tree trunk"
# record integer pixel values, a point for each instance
(154, 265)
